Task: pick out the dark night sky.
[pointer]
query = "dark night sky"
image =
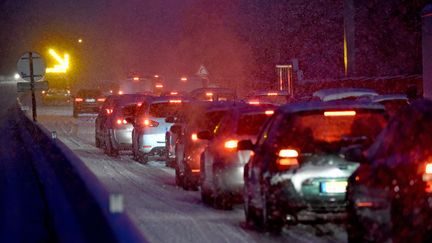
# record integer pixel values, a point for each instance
(235, 39)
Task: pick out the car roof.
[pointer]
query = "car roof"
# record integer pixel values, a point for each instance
(341, 93)
(167, 98)
(269, 93)
(329, 105)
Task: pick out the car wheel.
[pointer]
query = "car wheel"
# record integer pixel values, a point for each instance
(97, 142)
(178, 177)
(109, 149)
(222, 200)
(270, 220)
(250, 213)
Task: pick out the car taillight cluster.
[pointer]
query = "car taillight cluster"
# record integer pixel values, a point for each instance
(287, 158)
(101, 99)
(231, 144)
(194, 137)
(150, 123)
(109, 111)
(427, 176)
(121, 121)
(79, 99)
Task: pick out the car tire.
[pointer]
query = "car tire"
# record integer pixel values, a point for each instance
(252, 220)
(97, 142)
(271, 223)
(109, 149)
(178, 178)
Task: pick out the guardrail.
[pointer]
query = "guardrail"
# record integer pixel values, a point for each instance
(81, 209)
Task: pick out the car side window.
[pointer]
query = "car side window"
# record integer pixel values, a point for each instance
(264, 133)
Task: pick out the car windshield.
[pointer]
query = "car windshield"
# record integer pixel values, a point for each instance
(165, 109)
(319, 132)
(249, 124)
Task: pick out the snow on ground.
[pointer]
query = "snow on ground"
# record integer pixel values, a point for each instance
(162, 211)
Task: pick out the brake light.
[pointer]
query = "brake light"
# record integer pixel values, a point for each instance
(194, 137)
(254, 102)
(120, 92)
(209, 94)
(109, 111)
(121, 122)
(79, 99)
(427, 177)
(174, 93)
(287, 158)
(175, 101)
(150, 123)
(272, 94)
(136, 79)
(269, 112)
(101, 99)
(139, 104)
(231, 144)
(339, 113)
(159, 86)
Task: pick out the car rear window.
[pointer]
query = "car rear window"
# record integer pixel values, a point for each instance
(249, 124)
(165, 109)
(89, 93)
(311, 131)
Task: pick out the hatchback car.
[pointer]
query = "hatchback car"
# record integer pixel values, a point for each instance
(221, 164)
(297, 172)
(390, 194)
(150, 126)
(112, 130)
(188, 149)
(87, 101)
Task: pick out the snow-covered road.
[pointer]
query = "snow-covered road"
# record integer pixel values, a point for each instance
(162, 211)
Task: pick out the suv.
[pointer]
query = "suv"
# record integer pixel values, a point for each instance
(112, 130)
(221, 163)
(87, 101)
(298, 172)
(150, 126)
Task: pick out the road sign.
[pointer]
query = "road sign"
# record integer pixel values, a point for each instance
(62, 63)
(202, 72)
(26, 86)
(23, 66)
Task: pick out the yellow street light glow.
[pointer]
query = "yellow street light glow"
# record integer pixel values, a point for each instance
(80, 40)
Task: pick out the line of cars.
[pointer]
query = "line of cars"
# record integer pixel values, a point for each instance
(301, 162)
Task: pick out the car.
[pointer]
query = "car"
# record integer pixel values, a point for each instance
(112, 130)
(213, 94)
(341, 93)
(221, 173)
(188, 148)
(276, 97)
(297, 172)
(56, 96)
(390, 195)
(87, 101)
(150, 126)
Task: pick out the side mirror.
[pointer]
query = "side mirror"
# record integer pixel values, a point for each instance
(355, 153)
(170, 119)
(207, 135)
(245, 145)
(176, 129)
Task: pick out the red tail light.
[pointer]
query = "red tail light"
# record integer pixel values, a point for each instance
(231, 144)
(175, 101)
(254, 102)
(427, 176)
(150, 123)
(287, 158)
(194, 137)
(121, 121)
(101, 99)
(109, 111)
(79, 99)
(269, 112)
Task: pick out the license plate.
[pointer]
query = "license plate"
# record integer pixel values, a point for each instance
(334, 186)
(90, 100)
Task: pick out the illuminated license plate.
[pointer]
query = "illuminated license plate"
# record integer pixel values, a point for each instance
(334, 186)
(90, 100)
